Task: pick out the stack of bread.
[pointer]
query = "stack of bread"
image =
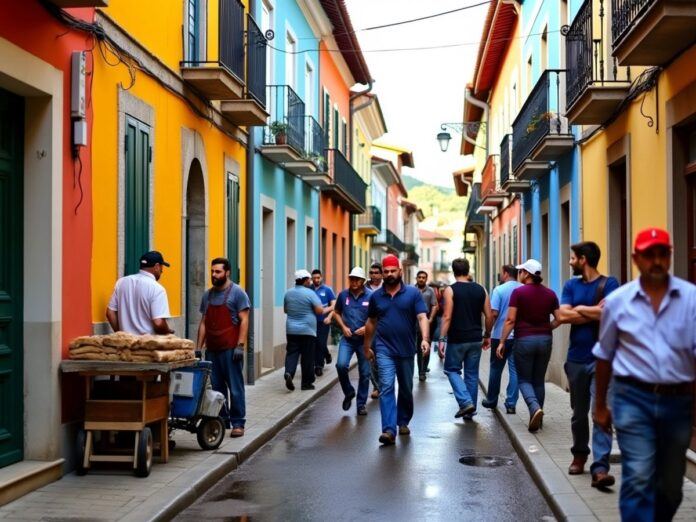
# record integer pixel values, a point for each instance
(122, 346)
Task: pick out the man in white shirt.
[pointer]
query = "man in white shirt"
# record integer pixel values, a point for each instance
(139, 303)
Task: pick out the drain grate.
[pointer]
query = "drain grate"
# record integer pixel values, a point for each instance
(485, 461)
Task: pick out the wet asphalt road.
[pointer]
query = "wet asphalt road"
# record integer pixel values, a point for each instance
(328, 465)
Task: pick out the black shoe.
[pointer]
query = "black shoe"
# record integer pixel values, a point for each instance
(318, 371)
(347, 400)
(307, 387)
(387, 438)
(487, 404)
(510, 409)
(427, 370)
(421, 377)
(328, 358)
(466, 410)
(362, 410)
(288, 382)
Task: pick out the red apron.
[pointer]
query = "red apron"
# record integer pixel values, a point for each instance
(220, 332)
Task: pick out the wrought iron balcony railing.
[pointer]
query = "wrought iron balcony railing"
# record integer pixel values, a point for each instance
(230, 51)
(314, 148)
(287, 118)
(371, 219)
(441, 266)
(505, 150)
(347, 180)
(586, 60)
(411, 255)
(623, 14)
(539, 117)
(256, 62)
(394, 242)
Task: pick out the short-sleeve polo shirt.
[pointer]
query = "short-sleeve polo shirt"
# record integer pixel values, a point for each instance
(397, 319)
(325, 294)
(353, 311)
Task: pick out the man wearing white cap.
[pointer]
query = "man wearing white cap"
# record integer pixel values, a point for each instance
(301, 305)
(350, 313)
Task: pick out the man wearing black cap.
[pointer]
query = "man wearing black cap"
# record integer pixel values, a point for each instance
(139, 303)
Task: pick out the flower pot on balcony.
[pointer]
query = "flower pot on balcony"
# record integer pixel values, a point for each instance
(281, 138)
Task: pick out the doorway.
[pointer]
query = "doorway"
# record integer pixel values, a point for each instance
(267, 260)
(619, 262)
(196, 270)
(11, 280)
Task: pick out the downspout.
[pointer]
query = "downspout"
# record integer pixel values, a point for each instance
(249, 241)
(469, 98)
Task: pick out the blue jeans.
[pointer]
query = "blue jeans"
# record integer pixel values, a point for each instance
(496, 373)
(532, 355)
(395, 412)
(653, 432)
(581, 381)
(468, 355)
(227, 375)
(346, 349)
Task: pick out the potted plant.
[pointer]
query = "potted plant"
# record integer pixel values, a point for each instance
(279, 131)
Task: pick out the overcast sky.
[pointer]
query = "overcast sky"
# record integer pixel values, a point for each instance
(419, 90)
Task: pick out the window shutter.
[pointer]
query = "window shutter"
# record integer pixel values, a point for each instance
(137, 205)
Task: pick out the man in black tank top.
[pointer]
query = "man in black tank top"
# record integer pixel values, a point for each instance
(466, 304)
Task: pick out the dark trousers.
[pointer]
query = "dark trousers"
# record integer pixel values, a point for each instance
(424, 360)
(322, 349)
(300, 345)
(227, 375)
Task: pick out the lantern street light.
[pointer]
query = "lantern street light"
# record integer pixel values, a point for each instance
(468, 127)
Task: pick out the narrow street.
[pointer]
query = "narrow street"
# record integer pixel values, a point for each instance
(328, 465)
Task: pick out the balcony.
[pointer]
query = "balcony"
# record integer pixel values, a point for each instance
(391, 241)
(311, 166)
(370, 221)
(251, 110)
(221, 78)
(64, 4)
(540, 133)
(474, 220)
(410, 257)
(284, 136)
(469, 247)
(491, 193)
(652, 32)
(508, 182)
(346, 187)
(595, 85)
(441, 266)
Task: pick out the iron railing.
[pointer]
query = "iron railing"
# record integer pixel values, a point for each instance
(624, 13)
(489, 183)
(256, 62)
(230, 52)
(441, 266)
(505, 150)
(539, 117)
(286, 118)
(372, 217)
(344, 175)
(411, 255)
(314, 143)
(394, 242)
(585, 55)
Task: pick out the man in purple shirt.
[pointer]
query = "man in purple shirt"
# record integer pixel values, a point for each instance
(647, 341)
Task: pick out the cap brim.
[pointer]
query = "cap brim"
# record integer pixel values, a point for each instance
(165, 264)
(647, 245)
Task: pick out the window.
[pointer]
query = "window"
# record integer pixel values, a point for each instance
(290, 60)
(309, 89)
(290, 251)
(233, 225)
(344, 134)
(336, 129)
(326, 119)
(427, 250)
(513, 245)
(324, 250)
(266, 24)
(544, 49)
(137, 211)
(192, 24)
(309, 245)
(530, 71)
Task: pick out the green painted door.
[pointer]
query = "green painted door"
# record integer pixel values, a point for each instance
(138, 157)
(11, 378)
(233, 225)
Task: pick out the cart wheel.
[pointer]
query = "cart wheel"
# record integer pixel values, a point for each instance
(210, 433)
(80, 447)
(145, 450)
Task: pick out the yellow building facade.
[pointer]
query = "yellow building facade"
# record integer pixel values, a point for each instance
(190, 160)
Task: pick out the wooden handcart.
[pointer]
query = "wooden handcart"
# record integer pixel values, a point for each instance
(133, 398)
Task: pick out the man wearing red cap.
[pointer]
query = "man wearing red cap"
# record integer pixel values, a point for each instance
(647, 341)
(393, 312)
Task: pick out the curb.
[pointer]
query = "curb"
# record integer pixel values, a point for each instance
(215, 467)
(560, 494)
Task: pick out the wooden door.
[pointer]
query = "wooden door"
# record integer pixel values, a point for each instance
(690, 173)
(11, 353)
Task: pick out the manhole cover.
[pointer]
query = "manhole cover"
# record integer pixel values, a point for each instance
(485, 461)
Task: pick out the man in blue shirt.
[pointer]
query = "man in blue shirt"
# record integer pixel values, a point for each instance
(301, 305)
(328, 299)
(350, 313)
(581, 307)
(393, 313)
(500, 301)
(648, 342)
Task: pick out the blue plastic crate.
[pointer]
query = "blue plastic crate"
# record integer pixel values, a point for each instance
(187, 407)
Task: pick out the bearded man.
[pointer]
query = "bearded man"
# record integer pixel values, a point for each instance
(223, 332)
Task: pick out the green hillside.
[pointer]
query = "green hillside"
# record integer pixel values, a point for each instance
(410, 183)
(429, 196)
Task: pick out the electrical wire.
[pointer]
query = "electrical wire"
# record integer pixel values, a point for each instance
(78, 161)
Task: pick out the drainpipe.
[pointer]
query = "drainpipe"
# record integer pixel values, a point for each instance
(249, 242)
(469, 98)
